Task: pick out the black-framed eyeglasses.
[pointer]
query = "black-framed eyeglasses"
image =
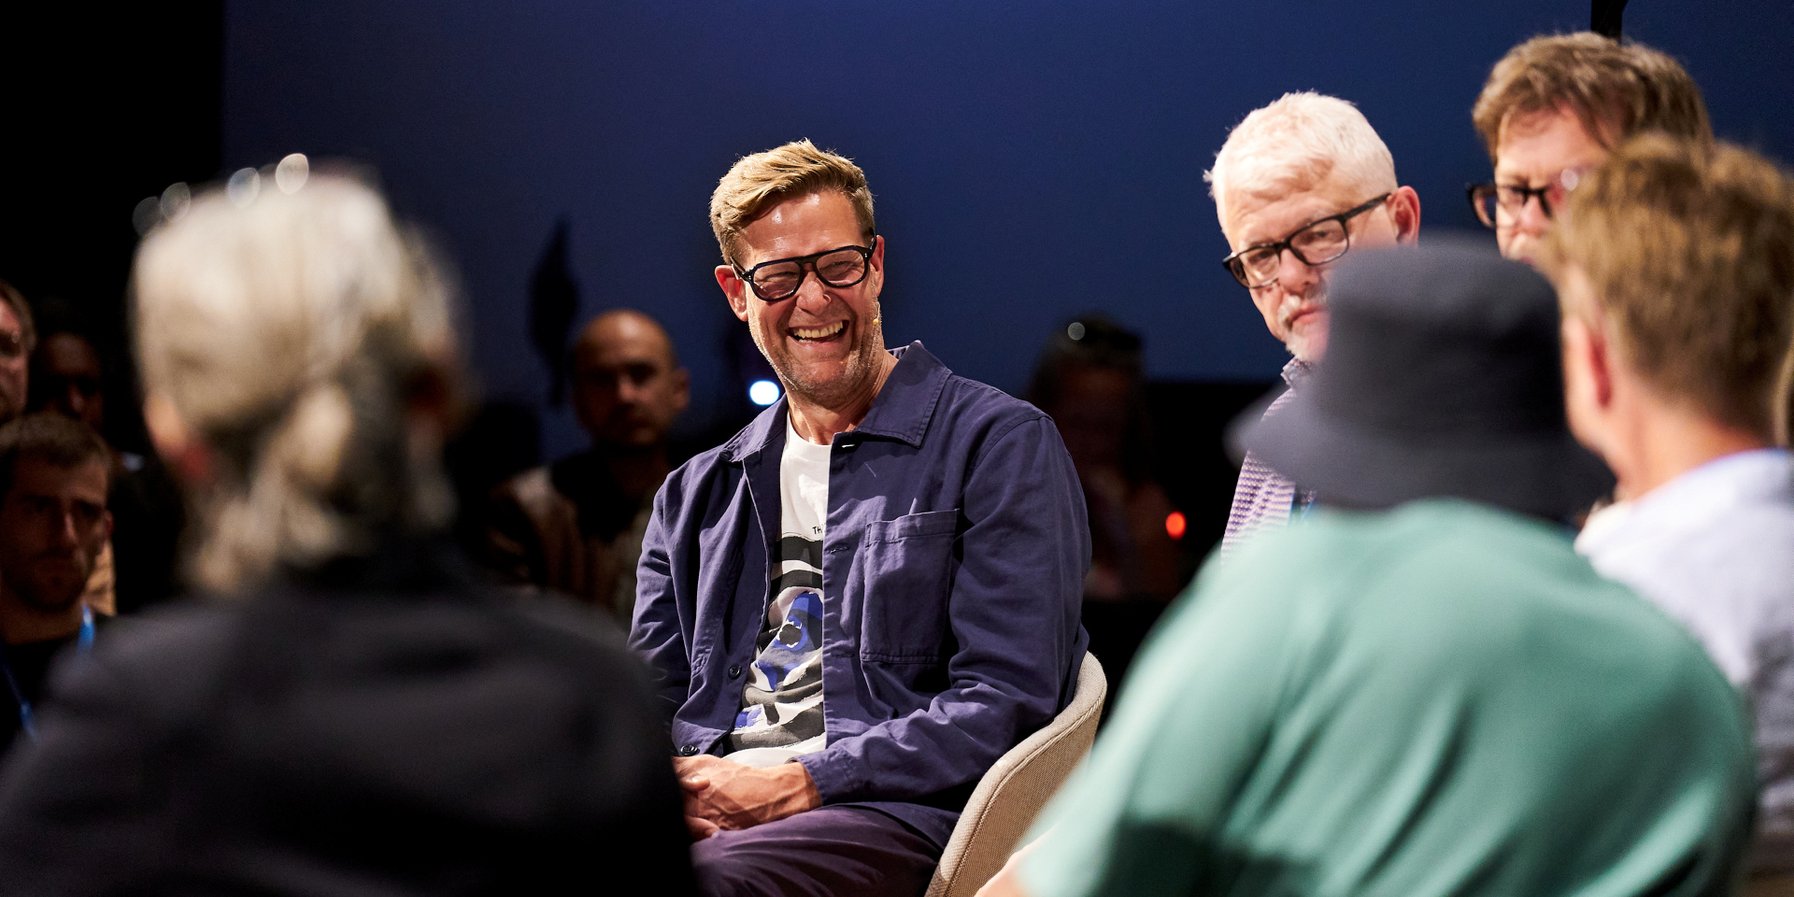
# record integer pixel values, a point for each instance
(1499, 205)
(1315, 243)
(779, 279)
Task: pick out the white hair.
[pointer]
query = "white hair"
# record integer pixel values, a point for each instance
(289, 331)
(1296, 143)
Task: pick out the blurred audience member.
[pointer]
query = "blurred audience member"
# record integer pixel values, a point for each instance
(575, 526)
(1554, 107)
(53, 527)
(137, 567)
(1422, 690)
(1297, 184)
(17, 339)
(1090, 380)
(1675, 266)
(360, 716)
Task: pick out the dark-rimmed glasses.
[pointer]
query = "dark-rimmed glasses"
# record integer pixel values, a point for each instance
(1499, 205)
(1315, 243)
(779, 279)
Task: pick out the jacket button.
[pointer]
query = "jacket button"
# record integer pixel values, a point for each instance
(734, 671)
(688, 750)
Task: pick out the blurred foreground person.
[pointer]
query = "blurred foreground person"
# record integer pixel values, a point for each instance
(353, 716)
(1421, 689)
(1675, 266)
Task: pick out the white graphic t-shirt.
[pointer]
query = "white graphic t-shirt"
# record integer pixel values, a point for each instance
(781, 706)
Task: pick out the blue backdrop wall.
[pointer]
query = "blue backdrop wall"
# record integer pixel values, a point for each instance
(1031, 160)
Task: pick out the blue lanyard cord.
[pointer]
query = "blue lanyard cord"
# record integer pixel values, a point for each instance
(83, 644)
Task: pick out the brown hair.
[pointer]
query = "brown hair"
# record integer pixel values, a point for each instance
(55, 440)
(1614, 89)
(758, 181)
(1689, 250)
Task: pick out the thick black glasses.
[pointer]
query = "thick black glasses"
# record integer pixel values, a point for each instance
(1498, 205)
(1314, 243)
(778, 280)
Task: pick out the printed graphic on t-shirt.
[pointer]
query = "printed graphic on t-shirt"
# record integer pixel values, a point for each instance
(781, 704)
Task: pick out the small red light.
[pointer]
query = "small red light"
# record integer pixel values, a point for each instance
(1174, 524)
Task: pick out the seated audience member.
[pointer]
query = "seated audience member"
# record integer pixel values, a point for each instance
(1298, 183)
(575, 526)
(137, 565)
(1554, 107)
(53, 526)
(1675, 266)
(17, 340)
(359, 716)
(871, 592)
(1422, 690)
(1090, 380)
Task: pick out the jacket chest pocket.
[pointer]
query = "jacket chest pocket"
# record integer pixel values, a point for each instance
(903, 573)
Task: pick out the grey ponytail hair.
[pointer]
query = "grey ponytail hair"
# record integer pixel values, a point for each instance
(291, 332)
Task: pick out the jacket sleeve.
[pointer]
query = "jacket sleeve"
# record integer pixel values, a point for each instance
(1015, 586)
(656, 632)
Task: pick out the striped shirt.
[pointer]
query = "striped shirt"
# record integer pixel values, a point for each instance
(1264, 498)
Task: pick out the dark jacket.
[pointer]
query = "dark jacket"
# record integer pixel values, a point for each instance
(952, 574)
(377, 729)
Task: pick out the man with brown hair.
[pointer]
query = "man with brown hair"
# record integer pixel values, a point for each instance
(53, 525)
(1554, 107)
(865, 597)
(1672, 262)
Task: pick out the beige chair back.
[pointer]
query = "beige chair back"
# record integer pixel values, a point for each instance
(1012, 792)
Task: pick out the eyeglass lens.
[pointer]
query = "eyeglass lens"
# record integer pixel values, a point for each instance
(1316, 244)
(842, 267)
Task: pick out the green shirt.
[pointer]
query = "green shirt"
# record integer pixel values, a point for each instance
(1440, 699)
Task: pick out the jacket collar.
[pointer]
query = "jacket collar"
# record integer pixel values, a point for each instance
(901, 410)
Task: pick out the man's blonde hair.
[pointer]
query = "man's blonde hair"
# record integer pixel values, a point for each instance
(1689, 249)
(291, 332)
(1296, 142)
(798, 168)
(1614, 89)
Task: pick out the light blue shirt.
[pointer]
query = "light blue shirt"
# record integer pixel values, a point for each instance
(1714, 548)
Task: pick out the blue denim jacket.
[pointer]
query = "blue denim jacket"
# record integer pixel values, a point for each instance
(953, 570)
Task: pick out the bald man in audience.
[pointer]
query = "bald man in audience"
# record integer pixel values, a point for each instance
(1675, 271)
(575, 526)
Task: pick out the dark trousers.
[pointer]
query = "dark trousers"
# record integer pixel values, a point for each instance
(842, 849)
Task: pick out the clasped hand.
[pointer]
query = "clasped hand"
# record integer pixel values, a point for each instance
(722, 794)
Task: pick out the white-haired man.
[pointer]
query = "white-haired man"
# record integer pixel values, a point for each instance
(1298, 183)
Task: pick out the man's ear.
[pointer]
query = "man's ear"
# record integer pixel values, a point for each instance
(1404, 207)
(876, 261)
(1588, 362)
(734, 289)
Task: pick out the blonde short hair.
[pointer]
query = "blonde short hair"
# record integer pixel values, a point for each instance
(290, 331)
(1295, 143)
(798, 168)
(1614, 89)
(1689, 249)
